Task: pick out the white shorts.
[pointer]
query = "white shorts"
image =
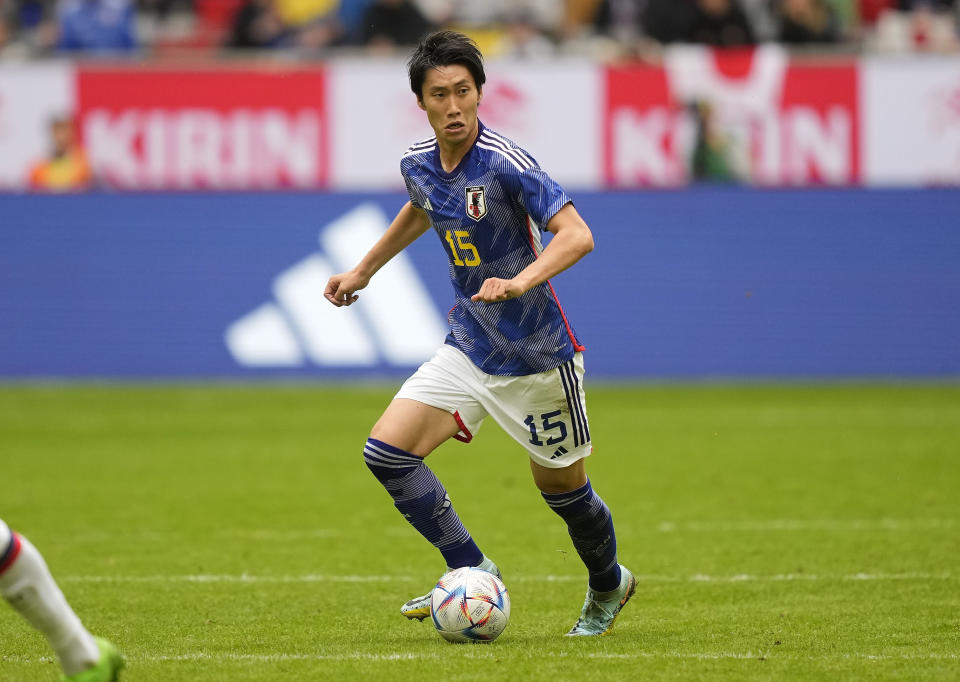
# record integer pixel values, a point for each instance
(546, 413)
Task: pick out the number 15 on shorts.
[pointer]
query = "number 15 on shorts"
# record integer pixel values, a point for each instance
(546, 425)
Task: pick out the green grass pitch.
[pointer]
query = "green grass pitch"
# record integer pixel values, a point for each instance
(803, 532)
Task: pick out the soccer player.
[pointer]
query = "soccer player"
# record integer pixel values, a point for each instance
(26, 583)
(510, 353)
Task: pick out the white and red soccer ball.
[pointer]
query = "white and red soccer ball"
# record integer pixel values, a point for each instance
(470, 605)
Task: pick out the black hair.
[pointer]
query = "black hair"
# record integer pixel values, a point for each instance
(444, 48)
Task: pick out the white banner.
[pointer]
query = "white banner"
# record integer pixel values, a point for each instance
(551, 110)
(31, 95)
(911, 131)
(346, 125)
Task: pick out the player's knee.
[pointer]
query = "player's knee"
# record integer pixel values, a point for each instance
(386, 461)
(559, 481)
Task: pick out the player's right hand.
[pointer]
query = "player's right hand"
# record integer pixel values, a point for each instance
(341, 289)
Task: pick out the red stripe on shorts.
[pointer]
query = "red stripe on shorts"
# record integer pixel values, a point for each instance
(465, 436)
(13, 551)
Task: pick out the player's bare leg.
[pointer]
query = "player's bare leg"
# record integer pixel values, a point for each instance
(568, 492)
(555, 481)
(415, 427)
(407, 432)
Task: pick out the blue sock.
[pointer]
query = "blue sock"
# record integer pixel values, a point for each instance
(591, 529)
(423, 501)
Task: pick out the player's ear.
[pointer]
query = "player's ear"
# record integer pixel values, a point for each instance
(420, 103)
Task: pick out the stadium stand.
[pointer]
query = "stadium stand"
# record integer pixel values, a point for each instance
(605, 28)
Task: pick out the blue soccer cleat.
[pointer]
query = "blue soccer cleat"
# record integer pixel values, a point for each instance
(600, 609)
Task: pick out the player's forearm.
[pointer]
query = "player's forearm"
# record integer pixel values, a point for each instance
(409, 224)
(568, 246)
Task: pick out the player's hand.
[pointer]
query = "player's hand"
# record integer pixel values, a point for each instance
(495, 289)
(341, 288)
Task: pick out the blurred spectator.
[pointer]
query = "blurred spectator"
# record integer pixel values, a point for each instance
(521, 28)
(391, 23)
(66, 168)
(350, 18)
(6, 32)
(620, 19)
(318, 34)
(762, 15)
(934, 5)
(583, 11)
(711, 158)
(721, 23)
(303, 24)
(302, 12)
(312, 24)
(161, 10)
(257, 25)
(870, 10)
(27, 27)
(807, 21)
(545, 15)
(714, 22)
(97, 26)
(437, 12)
(916, 25)
(669, 21)
(525, 38)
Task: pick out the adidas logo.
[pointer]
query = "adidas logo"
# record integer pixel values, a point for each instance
(394, 322)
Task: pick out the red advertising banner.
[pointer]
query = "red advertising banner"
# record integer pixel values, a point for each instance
(213, 128)
(749, 116)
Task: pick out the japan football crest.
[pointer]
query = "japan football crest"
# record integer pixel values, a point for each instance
(476, 202)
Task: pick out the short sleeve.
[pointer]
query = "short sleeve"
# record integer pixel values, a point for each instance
(539, 194)
(412, 190)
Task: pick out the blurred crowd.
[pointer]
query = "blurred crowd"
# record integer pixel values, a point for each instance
(519, 28)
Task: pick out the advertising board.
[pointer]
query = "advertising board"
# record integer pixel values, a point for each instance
(215, 128)
(711, 282)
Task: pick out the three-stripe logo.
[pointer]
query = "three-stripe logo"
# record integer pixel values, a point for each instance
(394, 323)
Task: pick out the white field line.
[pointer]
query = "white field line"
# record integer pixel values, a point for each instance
(321, 578)
(786, 525)
(270, 658)
(242, 578)
(756, 526)
(315, 535)
(498, 653)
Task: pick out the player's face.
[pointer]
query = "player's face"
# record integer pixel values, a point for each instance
(450, 98)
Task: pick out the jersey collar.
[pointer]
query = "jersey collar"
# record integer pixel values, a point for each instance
(460, 166)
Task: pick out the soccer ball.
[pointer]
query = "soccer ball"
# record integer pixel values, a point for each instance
(470, 605)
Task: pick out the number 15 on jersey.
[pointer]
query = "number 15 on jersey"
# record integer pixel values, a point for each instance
(463, 252)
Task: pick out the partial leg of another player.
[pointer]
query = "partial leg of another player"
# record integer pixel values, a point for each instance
(568, 492)
(26, 583)
(407, 432)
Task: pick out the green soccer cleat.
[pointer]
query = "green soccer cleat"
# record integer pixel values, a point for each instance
(107, 668)
(600, 609)
(418, 608)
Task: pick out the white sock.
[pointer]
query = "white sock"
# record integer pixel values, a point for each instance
(28, 586)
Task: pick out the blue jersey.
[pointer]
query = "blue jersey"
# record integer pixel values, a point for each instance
(489, 213)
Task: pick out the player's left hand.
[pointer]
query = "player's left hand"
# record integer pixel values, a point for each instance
(495, 289)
